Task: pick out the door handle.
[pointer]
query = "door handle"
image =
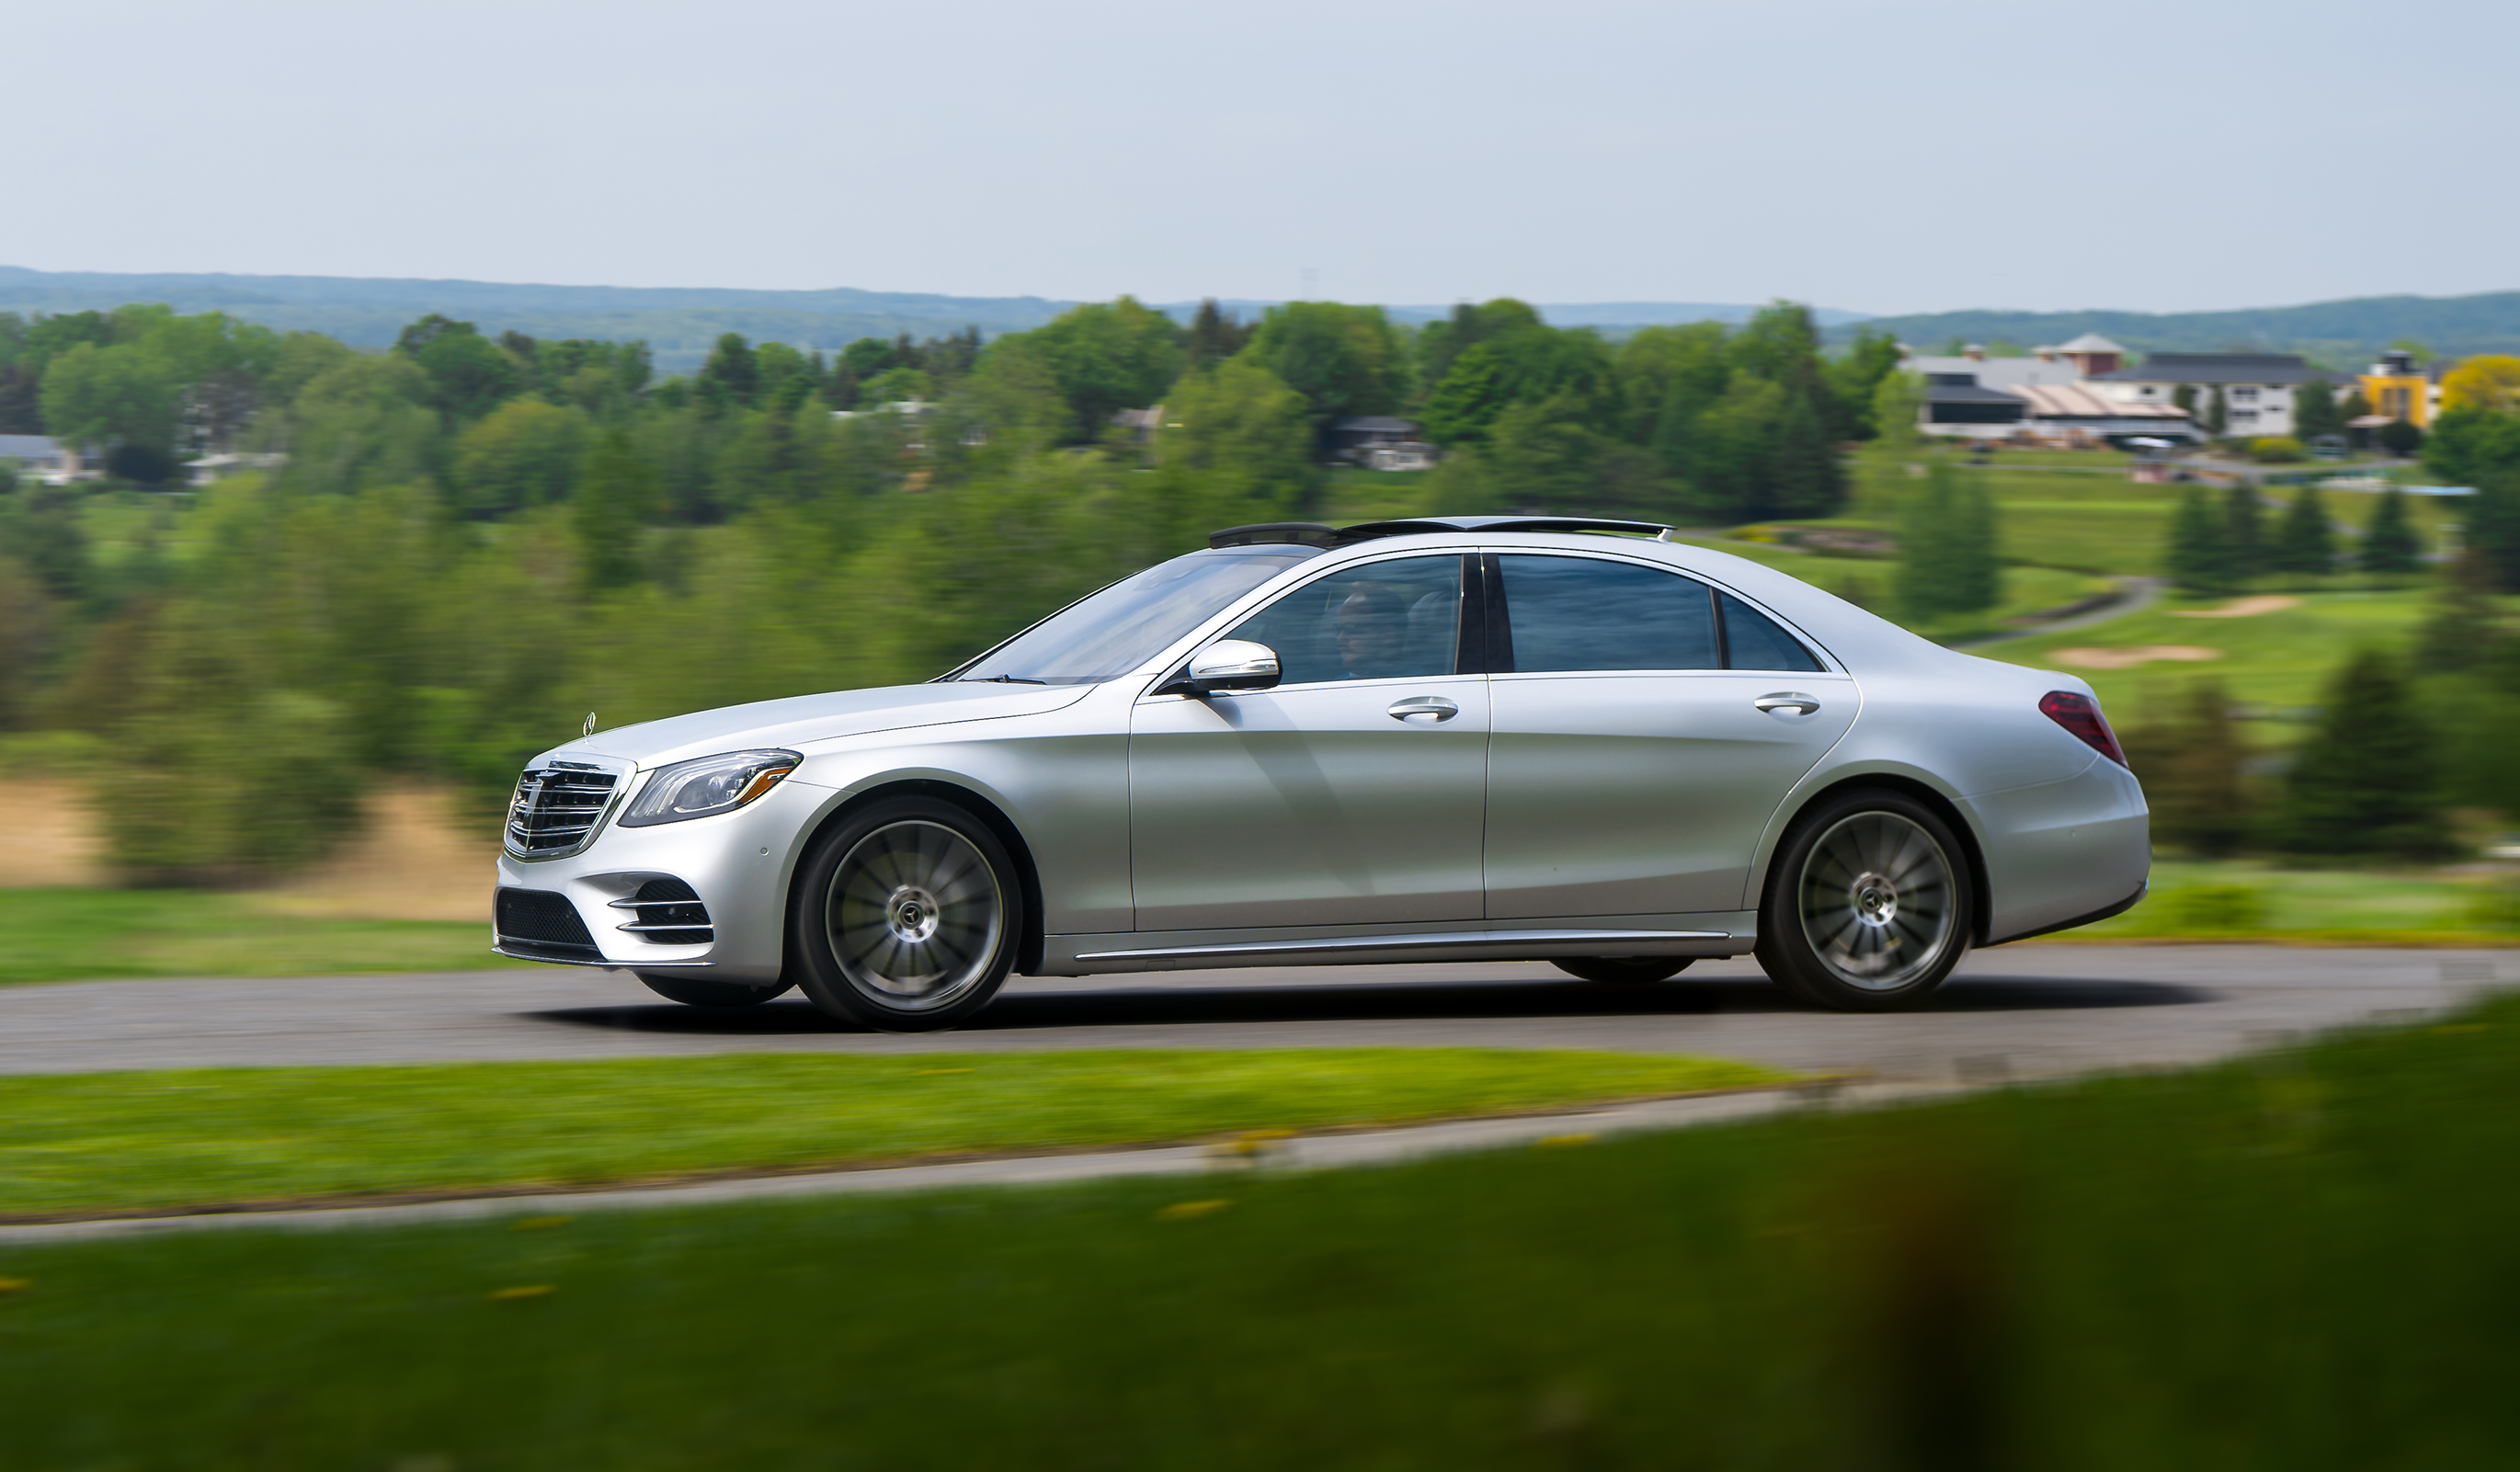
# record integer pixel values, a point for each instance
(1424, 706)
(1790, 701)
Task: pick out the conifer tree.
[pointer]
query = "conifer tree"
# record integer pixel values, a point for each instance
(2315, 413)
(2305, 545)
(1949, 561)
(2192, 766)
(2199, 559)
(2366, 780)
(617, 496)
(2391, 545)
(2492, 530)
(2218, 413)
(2244, 530)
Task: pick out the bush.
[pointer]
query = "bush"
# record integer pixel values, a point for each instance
(2214, 909)
(2278, 450)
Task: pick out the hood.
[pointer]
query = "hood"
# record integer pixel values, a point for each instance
(799, 719)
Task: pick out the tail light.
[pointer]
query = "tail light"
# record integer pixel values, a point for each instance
(2081, 715)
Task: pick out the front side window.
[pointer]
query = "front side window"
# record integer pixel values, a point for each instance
(1580, 613)
(1382, 620)
(1108, 633)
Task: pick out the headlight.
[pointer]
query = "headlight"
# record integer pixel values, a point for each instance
(711, 784)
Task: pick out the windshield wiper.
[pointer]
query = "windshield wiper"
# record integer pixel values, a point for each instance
(1002, 680)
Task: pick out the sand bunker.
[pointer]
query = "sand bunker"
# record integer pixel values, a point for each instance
(2127, 659)
(2246, 607)
(53, 837)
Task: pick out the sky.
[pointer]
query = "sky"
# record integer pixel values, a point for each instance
(1878, 155)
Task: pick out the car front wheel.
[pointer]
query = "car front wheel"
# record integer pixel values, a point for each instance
(906, 917)
(1868, 907)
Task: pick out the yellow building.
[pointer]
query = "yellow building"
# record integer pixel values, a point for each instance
(2397, 390)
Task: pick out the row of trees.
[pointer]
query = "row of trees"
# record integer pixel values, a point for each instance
(2220, 544)
(473, 540)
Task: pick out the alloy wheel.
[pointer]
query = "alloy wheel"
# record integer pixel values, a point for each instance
(1877, 900)
(915, 915)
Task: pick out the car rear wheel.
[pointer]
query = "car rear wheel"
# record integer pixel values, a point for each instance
(906, 917)
(1867, 905)
(691, 991)
(1623, 970)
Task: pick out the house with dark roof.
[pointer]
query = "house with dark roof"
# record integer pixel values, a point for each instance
(1381, 442)
(40, 457)
(2258, 391)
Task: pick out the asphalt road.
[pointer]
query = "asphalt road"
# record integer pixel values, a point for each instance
(2019, 1013)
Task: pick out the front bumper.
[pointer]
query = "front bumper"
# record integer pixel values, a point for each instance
(737, 864)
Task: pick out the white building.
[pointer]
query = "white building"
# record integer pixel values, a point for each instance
(2049, 395)
(2258, 391)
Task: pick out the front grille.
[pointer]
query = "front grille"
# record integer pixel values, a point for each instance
(670, 913)
(557, 808)
(541, 922)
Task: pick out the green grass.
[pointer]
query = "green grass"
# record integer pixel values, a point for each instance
(209, 1136)
(78, 934)
(2255, 900)
(2298, 1263)
(2275, 663)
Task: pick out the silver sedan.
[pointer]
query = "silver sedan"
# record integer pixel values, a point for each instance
(1478, 737)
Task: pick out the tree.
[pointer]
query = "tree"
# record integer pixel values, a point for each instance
(2218, 413)
(2314, 414)
(1345, 361)
(1808, 478)
(731, 379)
(2244, 531)
(1109, 356)
(1242, 436)
(2490, 381)
(2492, 531)
(1542, 456)
(1214, 336)
(2390, 545)
(1855, 376)
(1949, 563)
(2191, 764)
(107, 396)
(2366, 780)
(609, 517)
(1898, 403)
(2400, 438)
(525, 452)
(2199, 556)
(2305, 544)
(469, 374)
(2474, 447)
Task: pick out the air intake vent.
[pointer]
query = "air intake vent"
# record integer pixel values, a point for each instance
(540, 923)
(670, 913)
(557, 808)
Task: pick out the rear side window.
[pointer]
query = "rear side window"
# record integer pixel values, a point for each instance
(1580, 613)
(1755, 642)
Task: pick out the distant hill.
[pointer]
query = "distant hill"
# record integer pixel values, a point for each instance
(2338, 333)
(678, 323)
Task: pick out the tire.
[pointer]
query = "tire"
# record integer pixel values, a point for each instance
(691, 991)
(1623, 970)
(906, 917)
(1869, 904)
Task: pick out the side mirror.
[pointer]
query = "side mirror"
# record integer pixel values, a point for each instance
(1229, 664)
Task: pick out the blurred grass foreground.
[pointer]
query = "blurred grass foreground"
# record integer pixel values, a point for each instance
(2298, 1263)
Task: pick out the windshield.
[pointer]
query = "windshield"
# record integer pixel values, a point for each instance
(1114, 631)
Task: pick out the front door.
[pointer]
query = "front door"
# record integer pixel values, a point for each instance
(1646, 734)
(1352, 793)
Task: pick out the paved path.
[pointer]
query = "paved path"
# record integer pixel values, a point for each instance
(2023, 1012)
(2019, 1012)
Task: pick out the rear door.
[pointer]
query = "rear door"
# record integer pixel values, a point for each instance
(1630, 769)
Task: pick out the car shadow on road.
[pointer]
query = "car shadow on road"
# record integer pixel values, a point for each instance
(1141, 1005)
